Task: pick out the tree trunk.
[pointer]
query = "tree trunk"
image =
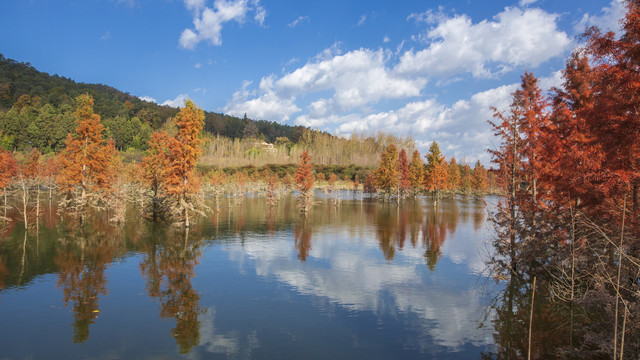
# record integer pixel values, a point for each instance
(24, 203)
(615, 329)
(37, 203)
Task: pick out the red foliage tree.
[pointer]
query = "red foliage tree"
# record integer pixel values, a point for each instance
(404, 183)
(303, 178)
(50, 170)
(8, 169)
(416, 173)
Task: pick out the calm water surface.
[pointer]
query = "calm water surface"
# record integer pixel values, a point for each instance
(361, 280)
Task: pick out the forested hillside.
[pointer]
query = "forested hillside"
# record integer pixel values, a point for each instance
(36, 110)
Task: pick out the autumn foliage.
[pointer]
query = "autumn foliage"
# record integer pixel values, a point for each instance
(169, 167)
(8, 168)
(387, 174)
(88, 161)
(304, 182)
(437, 172)
(569, 167)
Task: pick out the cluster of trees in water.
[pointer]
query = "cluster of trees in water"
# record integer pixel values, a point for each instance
(398, 177)
(89, 171)
(569, 165)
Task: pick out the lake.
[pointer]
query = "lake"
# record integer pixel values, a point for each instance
(358, 279)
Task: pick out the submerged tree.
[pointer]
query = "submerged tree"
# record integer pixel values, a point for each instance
(181, 181)
(155, 169)
(479, 181)
(416, 173)
(436, 172)
(387, 174)
(87, 162)
(404, 183)
(8, 169)
(304, 182)
(454, 175)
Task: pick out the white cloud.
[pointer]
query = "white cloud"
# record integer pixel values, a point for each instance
(298, 21)
(609, 20)
(386, 39)
(106, 35)
(268, 105)
(197, 65)
(177, 102)
(357, 78)
(148, 98)
(514, 38)
(195, 5)
(362, 20)
(208, 22)
(261, 13)
(524, 3)
(429, 16)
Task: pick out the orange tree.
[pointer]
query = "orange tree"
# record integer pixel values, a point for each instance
(155, 167)
(454, 175)
(404, 183)
(181, 180)
(416, 173)
(8, 169)
(386, 175)
(437, 171)
(479, 180)
(87, 162)
(303, 178)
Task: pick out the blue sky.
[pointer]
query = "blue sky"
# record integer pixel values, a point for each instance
(421, 68)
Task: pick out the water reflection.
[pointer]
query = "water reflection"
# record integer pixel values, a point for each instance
(302, 238)
(510, 312)
(168, 267)
(342, 267)
(411, 268)
(82, 257)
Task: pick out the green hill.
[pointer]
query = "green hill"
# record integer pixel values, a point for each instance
(36, 110)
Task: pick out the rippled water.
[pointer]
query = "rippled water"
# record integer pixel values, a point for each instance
(358, 279)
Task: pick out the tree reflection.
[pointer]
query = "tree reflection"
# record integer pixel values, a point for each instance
(479, 214)
(509, 314)
(431, 224)
(302, 238)
(4, 272)
(168, 269)
(434, 233)
(82, 259)
(385, 227)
